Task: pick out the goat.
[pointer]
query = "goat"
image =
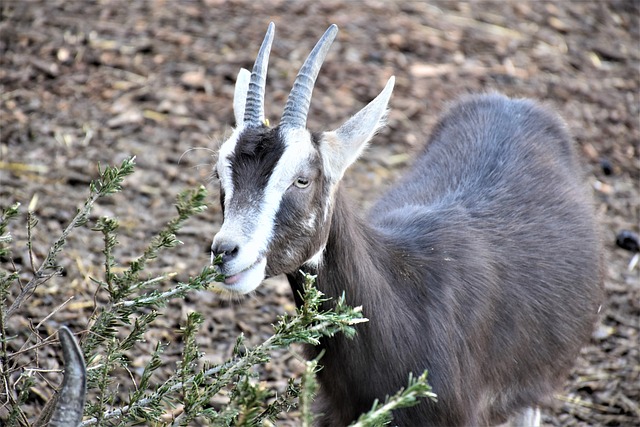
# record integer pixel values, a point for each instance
(482, 264)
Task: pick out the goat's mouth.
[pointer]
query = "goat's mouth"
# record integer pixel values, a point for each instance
(234, 278)
(247, 279)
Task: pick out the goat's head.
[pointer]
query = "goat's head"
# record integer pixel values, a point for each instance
(277, 184)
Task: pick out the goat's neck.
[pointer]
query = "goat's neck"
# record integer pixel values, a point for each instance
(352, 259)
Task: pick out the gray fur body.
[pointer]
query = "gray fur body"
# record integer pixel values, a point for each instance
(481, 265)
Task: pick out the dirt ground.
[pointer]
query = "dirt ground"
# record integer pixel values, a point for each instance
(88, 82)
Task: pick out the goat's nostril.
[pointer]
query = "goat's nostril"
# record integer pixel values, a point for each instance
(228, 250)
(231, 252)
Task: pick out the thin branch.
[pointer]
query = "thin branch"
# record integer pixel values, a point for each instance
(55, 310)
(108, 183)
(39, 277)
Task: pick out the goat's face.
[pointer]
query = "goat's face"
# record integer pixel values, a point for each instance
(275, 199)
(276, 185)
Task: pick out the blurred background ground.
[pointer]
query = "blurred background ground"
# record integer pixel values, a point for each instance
(88, 82)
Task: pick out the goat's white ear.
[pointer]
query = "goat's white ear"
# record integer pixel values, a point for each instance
(341, 147)
(240, 95)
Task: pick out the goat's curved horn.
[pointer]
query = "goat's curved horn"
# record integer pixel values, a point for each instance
(69, 408)
(297, 106)
(254, 111)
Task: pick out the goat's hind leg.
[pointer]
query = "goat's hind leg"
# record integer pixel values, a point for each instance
(528, 417)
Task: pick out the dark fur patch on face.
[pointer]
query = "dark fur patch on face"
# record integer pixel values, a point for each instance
(255, 156)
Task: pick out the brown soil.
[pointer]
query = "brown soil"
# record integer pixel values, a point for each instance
(83, 83)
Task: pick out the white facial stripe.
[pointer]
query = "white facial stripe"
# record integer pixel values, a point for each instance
(224, 166)
(298, 150)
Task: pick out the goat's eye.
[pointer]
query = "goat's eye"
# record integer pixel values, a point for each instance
(301, 182)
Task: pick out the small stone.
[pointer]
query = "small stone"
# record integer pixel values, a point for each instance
(607, 167)
(194, 79)
(132, 116)
(63, 55)
(627, 239)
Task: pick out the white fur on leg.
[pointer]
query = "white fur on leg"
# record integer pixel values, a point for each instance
(530, 417)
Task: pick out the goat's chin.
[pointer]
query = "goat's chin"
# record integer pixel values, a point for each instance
(245, 281)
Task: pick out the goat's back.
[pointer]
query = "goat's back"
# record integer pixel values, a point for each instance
(491, 146)
(496, 215)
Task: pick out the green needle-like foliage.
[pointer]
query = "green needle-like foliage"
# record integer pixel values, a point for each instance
(8, 214)
(380, 414)
(308, 392)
